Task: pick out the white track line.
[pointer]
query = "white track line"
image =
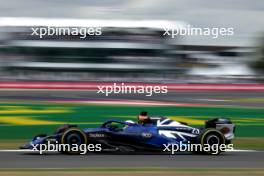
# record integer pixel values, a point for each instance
(16, 150)
(237, 150)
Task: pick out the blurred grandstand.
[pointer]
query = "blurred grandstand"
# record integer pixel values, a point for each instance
(127, 51)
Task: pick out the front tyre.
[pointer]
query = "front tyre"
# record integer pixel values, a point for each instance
(72, 139)
(211, 140)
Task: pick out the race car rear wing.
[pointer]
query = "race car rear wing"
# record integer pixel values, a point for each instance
(223, 125)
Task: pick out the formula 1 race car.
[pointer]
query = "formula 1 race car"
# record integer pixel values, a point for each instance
(117, 136)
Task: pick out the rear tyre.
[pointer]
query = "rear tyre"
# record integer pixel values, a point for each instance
(72, 139)
(211, 140)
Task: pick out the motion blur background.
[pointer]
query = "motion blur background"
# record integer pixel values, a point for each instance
(133, 53)
(46, 82)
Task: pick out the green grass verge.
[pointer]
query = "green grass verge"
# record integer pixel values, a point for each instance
(249, 143)
(46, 117)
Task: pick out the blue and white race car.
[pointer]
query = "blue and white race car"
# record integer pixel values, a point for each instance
(118, 136)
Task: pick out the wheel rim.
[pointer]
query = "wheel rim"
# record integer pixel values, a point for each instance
(74, 138)
(213, 139)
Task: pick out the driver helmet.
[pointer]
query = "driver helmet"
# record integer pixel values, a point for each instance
(143, 117)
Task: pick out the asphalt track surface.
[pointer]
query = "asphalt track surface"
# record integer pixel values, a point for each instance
(54, 160)
(226, 160)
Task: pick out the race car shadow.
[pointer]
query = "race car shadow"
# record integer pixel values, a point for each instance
(124, 153)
